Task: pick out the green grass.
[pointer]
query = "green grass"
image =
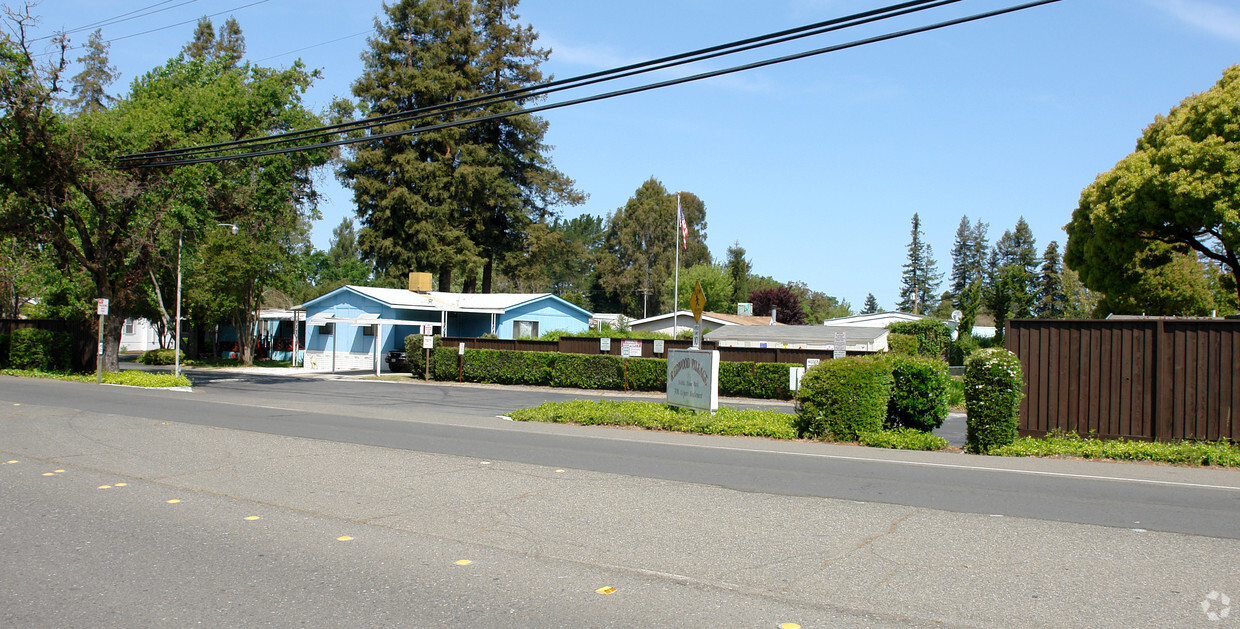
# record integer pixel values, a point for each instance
(902, 439)
(1204, 453)
(131, 378)
(955, 393)
(655, 416)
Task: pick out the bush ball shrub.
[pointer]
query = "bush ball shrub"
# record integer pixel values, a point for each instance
(42, 350)
(844, 397)
(993, 386)
(159, 357)
(918, 393)
(933, 336)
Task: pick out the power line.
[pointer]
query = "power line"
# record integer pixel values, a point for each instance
(164, 28)
(124, 17)
(596, 97)
(330, 41)
(543, 89)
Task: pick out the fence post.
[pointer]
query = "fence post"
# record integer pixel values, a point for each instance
(1163, 381)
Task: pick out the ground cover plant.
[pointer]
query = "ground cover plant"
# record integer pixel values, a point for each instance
(130, 378)
(902, 439)
(656, 416)
(1209, 453)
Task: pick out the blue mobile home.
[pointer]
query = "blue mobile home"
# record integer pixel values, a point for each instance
(353, 327)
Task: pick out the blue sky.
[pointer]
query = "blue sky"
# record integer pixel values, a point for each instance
(816, 166)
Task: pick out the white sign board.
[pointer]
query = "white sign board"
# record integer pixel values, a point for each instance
(794, 378)
(631, 348)
(428, 330)
(658, 346)
(811, 362)
(101, 306)
(604, 344)
(460, 351)
(693, 379)
(428, 342)
(841, 345)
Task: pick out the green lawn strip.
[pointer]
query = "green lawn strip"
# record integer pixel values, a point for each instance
(130, 378)
(902, 439)
(1205, 453)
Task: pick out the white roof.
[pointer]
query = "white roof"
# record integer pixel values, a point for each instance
(873, 319)
(434, 300)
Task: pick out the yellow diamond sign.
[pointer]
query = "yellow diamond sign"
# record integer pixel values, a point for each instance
(697, 302)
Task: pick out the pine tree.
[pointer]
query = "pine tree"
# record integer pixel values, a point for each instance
(230, 43)
(968, 259)
(463, 197)
(203, 43)
(871, 304)
(1012, 278)
(89, 84)
(920, 280)
(1052, 300)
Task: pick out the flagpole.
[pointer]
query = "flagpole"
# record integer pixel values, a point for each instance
(676, 282)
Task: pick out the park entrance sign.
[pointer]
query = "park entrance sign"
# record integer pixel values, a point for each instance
(693, 379)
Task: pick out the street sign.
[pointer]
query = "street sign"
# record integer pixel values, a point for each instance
(697, 302)
(604, 344)
(101, 306)
(631, 348)
(658, 346)
(841, 345)
(428, 330)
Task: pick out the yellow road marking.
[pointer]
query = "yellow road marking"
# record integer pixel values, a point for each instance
(105, 487)
(58, 471)
(121, 485)
(252, 517)
(174, 501)
(343, 538)
(463, 562)
(606, 590)
(48, 474)
(790, 625)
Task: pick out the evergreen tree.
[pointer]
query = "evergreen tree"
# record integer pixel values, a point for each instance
(968, 259)
(88, 95)
(871, 304)
(1052, 301)
(920, 281)
(230, 43)
(458, 198)
(738, 268)
(203, 43)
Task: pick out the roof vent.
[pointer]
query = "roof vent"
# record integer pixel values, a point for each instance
(419, 282)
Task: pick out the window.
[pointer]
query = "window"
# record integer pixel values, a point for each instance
(524, 329)
(128, 326)
(326, 329)
(368, 330)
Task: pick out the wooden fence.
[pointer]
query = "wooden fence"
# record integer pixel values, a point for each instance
(1145, 379)
(590, 345)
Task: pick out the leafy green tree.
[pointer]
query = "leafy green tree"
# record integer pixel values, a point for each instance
(1178, 189)
(739, 268)
(639, 249)
(1164, 280)
(920, 279)
(1079, 301)
(716, 285)
(461, 198)
(819, 306)
(88, 93)
(871, 304)
(1051, 300)
(785, 301)
(1011, 291)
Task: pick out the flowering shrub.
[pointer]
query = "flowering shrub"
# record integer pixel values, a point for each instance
(993, 386)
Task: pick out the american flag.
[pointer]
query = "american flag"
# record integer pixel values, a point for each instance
(684, 227)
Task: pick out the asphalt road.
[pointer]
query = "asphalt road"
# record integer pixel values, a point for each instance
(462, 421)
(131, 508)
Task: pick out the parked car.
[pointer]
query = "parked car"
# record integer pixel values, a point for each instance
(396, 360)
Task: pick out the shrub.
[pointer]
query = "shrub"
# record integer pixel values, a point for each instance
(415, 355)
(902, 439)
(587, 371)
(933, 336)
(489, 366)
(160, 357)
(844, 397)
(144, 379)
(961, 349)
(992, 391)
(918, 393)
(764, 381)
(905, 344)
(647, 374)
(42, 350)
(1221, 453)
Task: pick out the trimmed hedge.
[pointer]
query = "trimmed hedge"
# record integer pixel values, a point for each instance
(42, 350)
(844, 397)
(918, 393)
(905, 344)
(588, 371)
(415, 355)
(160, 357)
(993, 386)
(763, 381)
(933, 336)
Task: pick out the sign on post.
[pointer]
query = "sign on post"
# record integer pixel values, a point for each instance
(812, 362)
(631, 348)
(428, 330)
(841, 345)
(693, 379)
(428, 341)
(658, 346)
(604, 344)
(697, 302)
(795, 373)
(101, 307)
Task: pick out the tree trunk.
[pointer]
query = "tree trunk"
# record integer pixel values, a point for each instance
(470, 283)
(488, 270)
(445, 277)
(112, 327)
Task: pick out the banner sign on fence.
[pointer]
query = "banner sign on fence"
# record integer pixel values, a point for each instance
(693, 379)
